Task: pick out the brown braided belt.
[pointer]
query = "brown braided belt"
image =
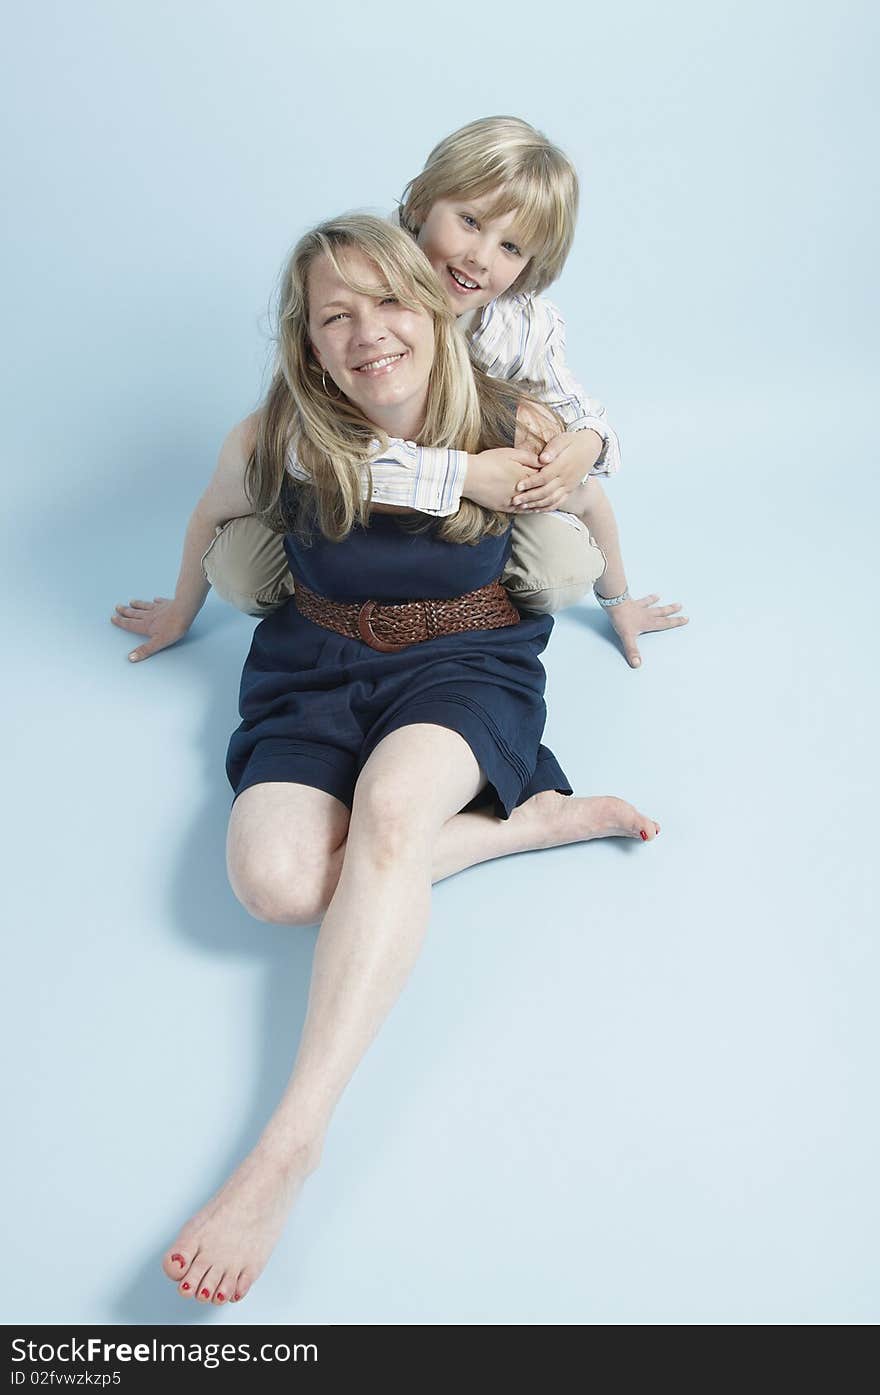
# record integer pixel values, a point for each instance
(389, 627)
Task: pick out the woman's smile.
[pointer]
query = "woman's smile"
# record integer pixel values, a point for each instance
(381, 367)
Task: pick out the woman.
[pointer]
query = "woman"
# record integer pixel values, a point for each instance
(370, 721)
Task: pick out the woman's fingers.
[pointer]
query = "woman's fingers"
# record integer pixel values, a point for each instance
(130, 622)
(631, 653)
(144, 651)
(664, 622)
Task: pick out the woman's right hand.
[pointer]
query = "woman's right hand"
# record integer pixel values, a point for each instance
(492, 476)
(162, 619)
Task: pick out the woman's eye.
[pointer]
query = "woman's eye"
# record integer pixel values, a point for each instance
(334, 317)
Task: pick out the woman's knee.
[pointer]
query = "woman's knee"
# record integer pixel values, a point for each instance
(281, 890)
(386, 819)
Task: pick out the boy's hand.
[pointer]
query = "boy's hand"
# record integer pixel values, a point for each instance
(161, 619)
(564, 461)
(492, 476)
(633, 618)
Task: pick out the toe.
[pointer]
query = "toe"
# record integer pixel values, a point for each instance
(189, 1287)
(224, 1290)
(209, 1283)
(242, 1285)
(176, 1263)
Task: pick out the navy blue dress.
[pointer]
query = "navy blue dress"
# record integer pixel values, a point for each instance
(314, 704)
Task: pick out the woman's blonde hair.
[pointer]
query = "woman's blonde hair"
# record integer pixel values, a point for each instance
(466, 409)
(522, 172)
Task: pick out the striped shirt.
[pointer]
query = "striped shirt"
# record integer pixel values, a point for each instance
(519, 337)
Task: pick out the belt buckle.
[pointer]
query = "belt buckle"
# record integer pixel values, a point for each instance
(365, 630)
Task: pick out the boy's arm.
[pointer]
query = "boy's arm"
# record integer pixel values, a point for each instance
(434, 480)
(166, 620)
(544, 360)
(525, 340)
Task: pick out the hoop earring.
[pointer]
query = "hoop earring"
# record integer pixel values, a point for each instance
(332, 395)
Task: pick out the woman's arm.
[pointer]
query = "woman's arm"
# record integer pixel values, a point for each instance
(165, 620)
(630, 618)
(591, 504)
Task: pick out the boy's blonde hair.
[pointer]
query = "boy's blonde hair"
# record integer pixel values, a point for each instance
(505, 157)
(465, 409)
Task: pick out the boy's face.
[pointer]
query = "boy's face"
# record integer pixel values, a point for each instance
(464, 246)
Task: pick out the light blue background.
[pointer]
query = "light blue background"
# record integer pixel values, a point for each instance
(626, 1084)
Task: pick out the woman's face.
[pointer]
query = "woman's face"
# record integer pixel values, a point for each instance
(378, 352)
(463, 245)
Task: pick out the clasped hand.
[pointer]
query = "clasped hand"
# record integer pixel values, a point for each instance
(562, 464)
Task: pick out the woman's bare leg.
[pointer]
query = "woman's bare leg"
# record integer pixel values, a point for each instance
(411, 786)
(547, 820)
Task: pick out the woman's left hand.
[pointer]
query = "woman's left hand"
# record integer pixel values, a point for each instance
(633, 618)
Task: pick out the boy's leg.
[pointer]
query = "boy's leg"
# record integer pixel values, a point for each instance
(553, 561)
(246, 564)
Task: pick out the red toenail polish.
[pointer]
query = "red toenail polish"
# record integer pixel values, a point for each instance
(185, 1287)
(180, 1259)
(220, 1297)
(643, 835)
(236, 1296)
(205, 1293)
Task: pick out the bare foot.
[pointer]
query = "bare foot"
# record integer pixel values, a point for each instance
(565, 818)
(223, 1250)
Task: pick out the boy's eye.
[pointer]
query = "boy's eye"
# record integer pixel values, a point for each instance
(468, 219)
(512, 247)
(390, 300)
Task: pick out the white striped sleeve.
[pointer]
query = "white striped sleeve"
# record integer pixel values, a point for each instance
(525, 340)
(429, 479)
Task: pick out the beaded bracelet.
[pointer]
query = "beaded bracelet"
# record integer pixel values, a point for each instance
(606, 601)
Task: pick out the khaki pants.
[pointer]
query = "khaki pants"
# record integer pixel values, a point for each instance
(553, 562)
